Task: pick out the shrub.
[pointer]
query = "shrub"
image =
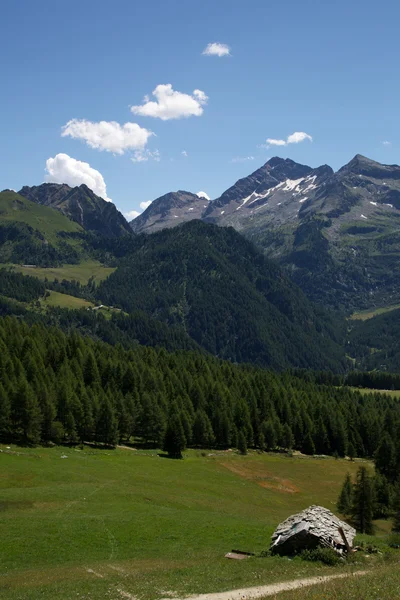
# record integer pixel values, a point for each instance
(327, 556)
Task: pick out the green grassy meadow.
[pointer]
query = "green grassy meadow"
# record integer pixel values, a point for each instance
(46, 220)
(126, 523)
(81, 272)
(65, 301)
(364, 315)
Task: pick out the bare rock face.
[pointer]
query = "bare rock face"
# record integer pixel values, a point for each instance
(315, 526)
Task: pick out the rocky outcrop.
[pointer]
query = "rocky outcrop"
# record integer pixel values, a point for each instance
(313, 527)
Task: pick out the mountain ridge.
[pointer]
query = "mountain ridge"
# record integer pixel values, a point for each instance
(337, 233)
(81, 205)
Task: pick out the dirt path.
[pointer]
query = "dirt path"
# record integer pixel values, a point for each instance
(269, 590)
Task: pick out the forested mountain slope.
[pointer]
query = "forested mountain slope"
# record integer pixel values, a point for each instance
(230, 299)
(70, 388)
(375, 343)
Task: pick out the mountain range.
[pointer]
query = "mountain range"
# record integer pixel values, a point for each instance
(337, 234)
(204, 278)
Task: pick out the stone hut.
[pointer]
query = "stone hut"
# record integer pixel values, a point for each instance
(315, 526)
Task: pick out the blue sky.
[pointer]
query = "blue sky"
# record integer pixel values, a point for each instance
(329, 70)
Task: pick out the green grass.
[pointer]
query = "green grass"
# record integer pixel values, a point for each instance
(47, 220)
(393, 393)
(380, 584)
(98, 520)
(81, 272)
(64, 301)
(364, 315)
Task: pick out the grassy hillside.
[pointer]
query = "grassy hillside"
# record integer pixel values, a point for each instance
(65, 301)
(81, 272)
(97, 522)
(364, 315)
(33, 234)
(48, 221)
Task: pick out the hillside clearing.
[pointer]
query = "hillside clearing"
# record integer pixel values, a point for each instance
(364, 315)
(98, 521)
(65, 301)
(81, 272)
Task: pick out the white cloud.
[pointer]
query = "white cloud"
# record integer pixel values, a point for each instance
(144, 205)
(294, 138)
(298, 136)
(64, 169)
(108, 135)
(131, 214)
(171, 104)
(239, 159)
(143, 155)
(386, 143)
(184, 153)
(272, 142)
(203, 195)
(216, 49)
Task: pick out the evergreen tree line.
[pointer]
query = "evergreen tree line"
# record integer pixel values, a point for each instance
(379, 380)
(68, 388)
(23, 288)
(20, 243)
(370, 497)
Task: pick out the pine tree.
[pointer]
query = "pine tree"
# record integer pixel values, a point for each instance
(363, 502)
(308, 445)
(382, 496)
(270, 435)
(174, 440)
(287, 437)
(27, 413)
(344, 503)
(107, 425)
(203, 435)
(5, 411)
(351, 451)
(396, 507)
(242, 445)
(385, 458)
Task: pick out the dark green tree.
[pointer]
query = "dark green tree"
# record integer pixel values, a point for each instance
(385, 458)
(107, 424)
(202, 435)
(345, 500)
(396, 507)
(242, 444)
(363, 502)
(174, 440)
(5, 411)
(382, 496)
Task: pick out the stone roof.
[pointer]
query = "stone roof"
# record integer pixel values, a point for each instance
(312, 527)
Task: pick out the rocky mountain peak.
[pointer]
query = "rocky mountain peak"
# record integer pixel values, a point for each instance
(170, 210)
(361, 165)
